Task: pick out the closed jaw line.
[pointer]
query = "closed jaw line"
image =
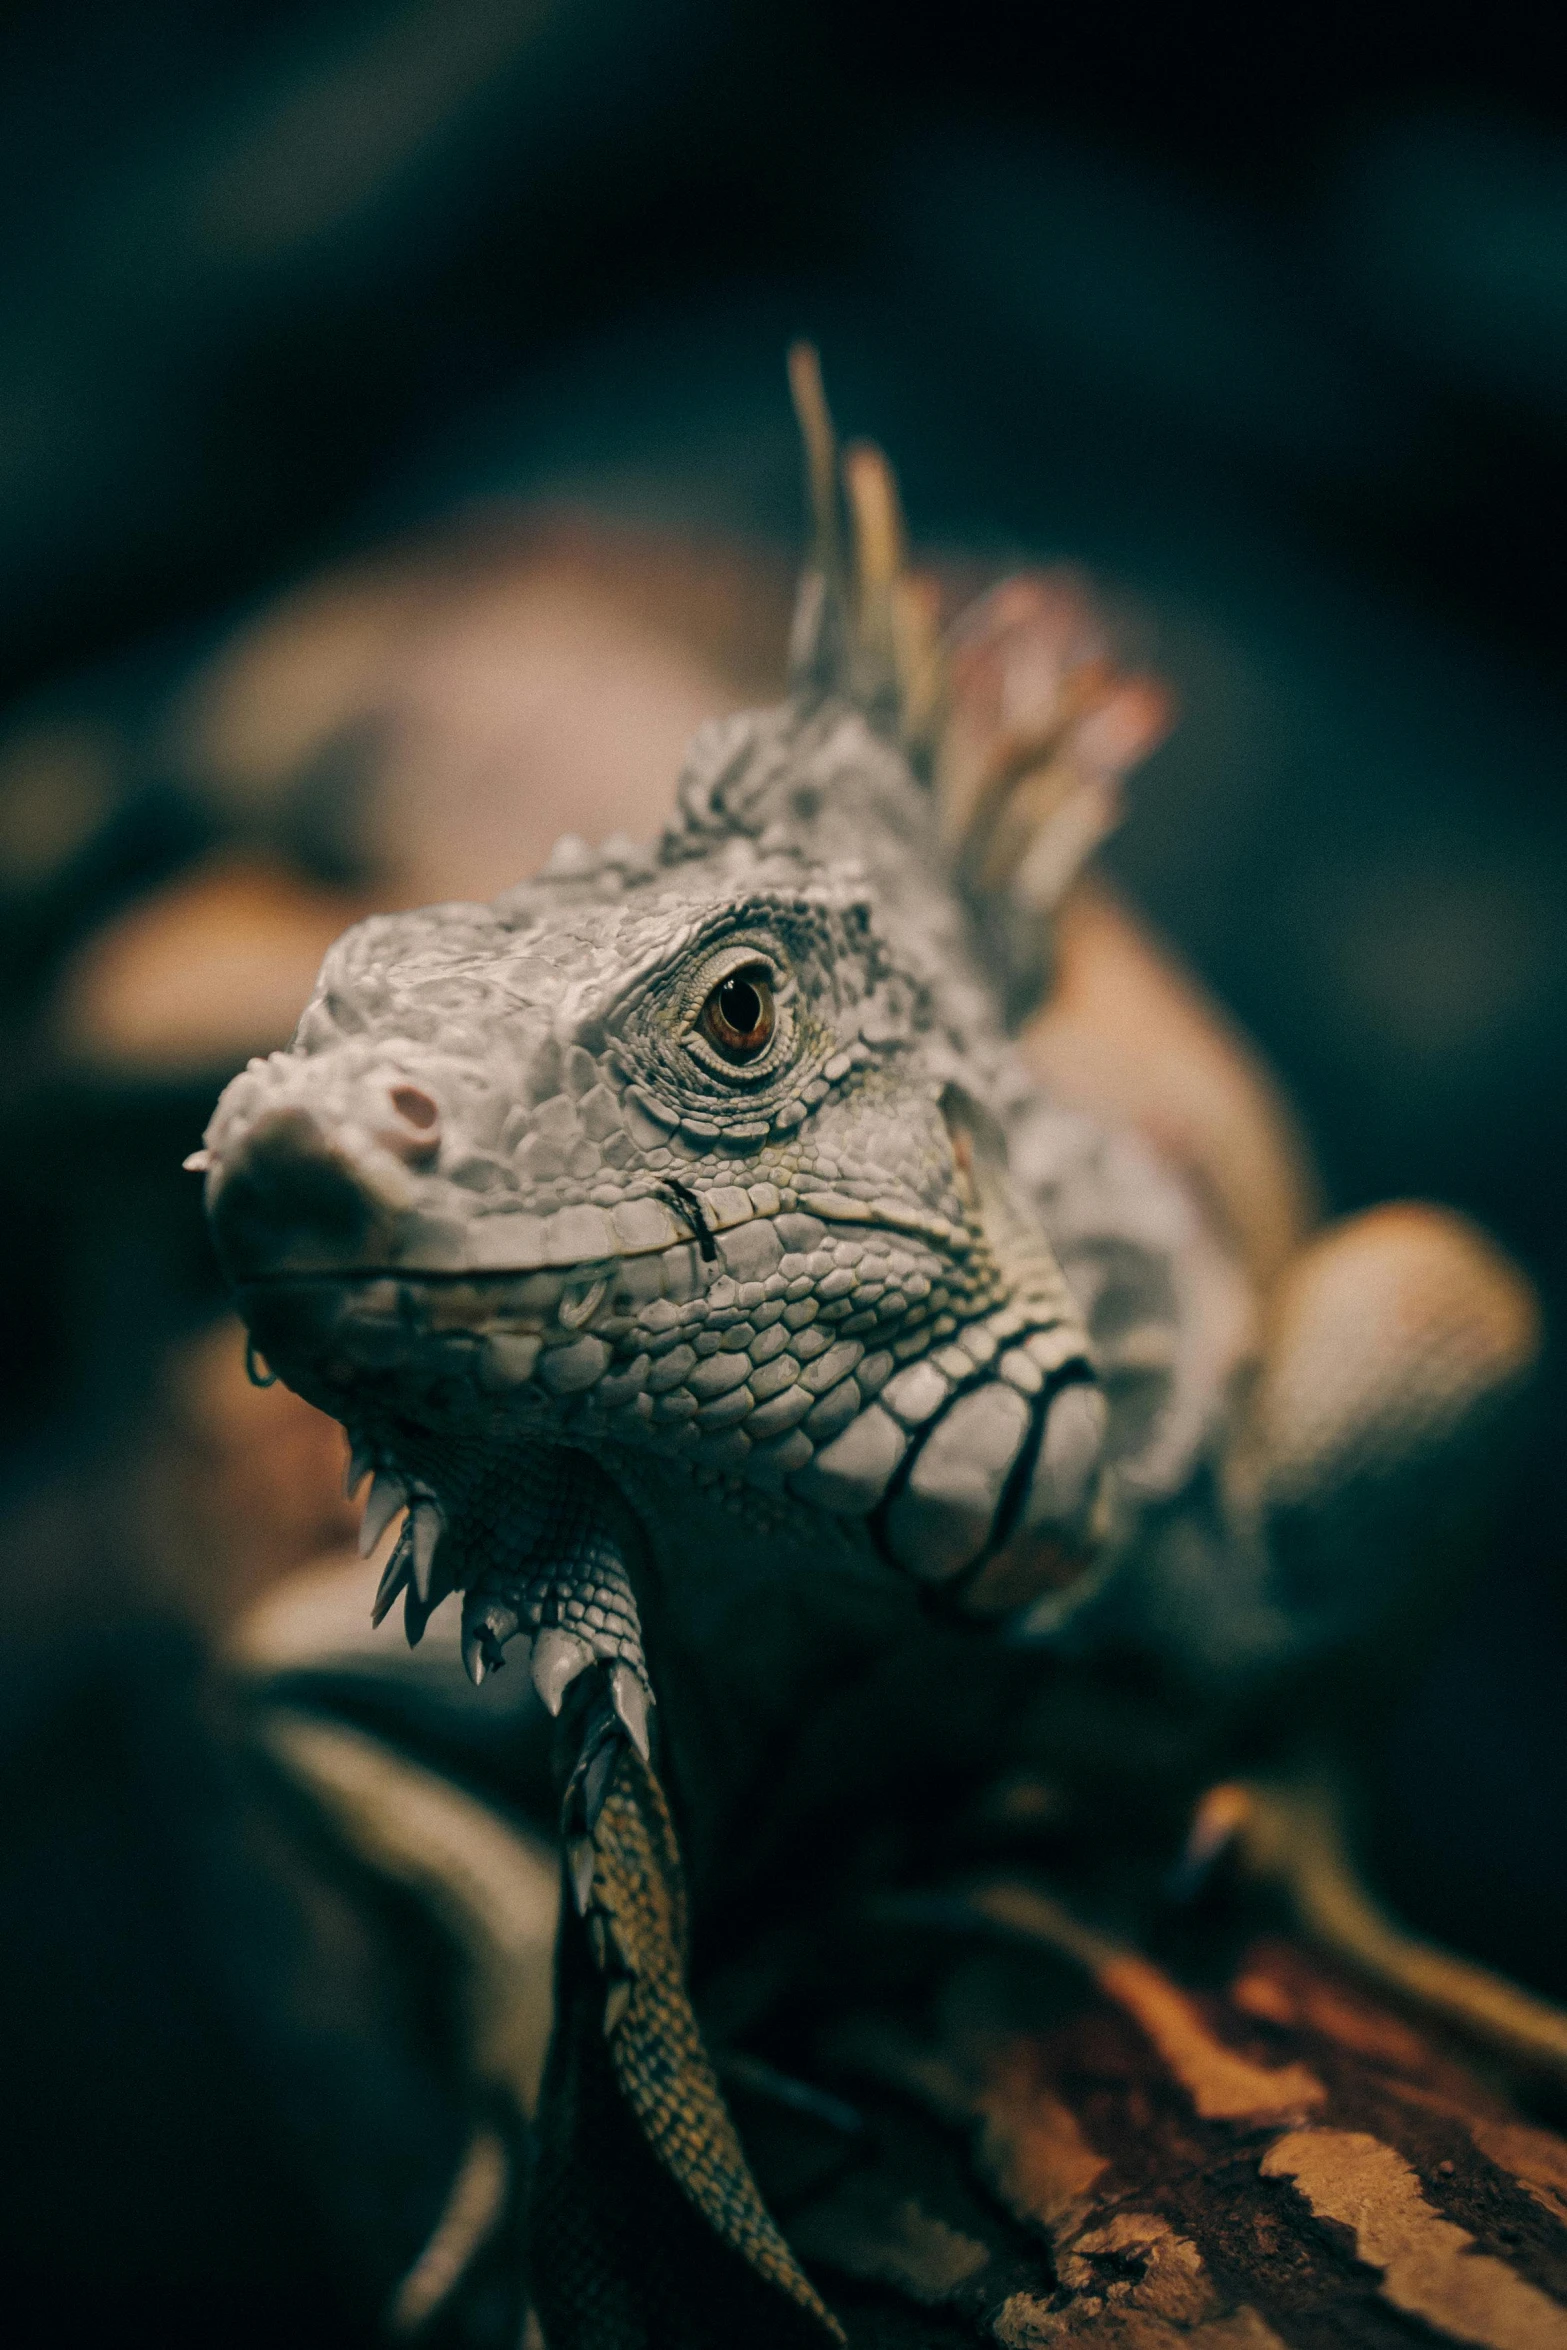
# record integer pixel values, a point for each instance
(585, 1241)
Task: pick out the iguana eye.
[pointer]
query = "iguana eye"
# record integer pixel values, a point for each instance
(738, 1016)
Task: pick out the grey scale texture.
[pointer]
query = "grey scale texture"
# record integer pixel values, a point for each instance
(713, 1375)
(869, 1306)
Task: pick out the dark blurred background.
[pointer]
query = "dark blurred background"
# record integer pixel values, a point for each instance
(1261, 315)
(1267, 321)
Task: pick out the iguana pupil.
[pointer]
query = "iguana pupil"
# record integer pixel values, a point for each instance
(738, 1015)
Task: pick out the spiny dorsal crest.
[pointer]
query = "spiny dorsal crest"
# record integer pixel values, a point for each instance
(997, 750)
(865, 626)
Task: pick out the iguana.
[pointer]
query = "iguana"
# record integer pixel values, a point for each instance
(691, 1259)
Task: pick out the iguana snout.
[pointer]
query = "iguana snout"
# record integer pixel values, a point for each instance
(305, 1179)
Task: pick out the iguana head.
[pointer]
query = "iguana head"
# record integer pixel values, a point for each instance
(670, 1190)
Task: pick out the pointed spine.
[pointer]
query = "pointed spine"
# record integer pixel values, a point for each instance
(398, 1569)
(387, 1496)
(425, 1519)
(818, 638)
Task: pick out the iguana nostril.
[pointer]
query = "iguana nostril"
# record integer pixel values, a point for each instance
(285, 1196)
(413, 1131)
(417, 1107)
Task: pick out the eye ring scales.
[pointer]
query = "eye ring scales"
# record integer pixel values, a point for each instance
(740, 1015)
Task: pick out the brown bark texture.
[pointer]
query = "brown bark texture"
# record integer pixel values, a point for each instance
(1060, 2141)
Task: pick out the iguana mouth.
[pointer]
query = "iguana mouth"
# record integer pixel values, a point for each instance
(292, 1200)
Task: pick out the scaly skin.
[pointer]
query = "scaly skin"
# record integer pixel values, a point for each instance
(685, 1249)
(715, 1374)
(799, 1309)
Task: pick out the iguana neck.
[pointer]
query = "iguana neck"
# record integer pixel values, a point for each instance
(803, 1687)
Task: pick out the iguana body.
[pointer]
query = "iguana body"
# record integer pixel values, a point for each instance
(681, 1241)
